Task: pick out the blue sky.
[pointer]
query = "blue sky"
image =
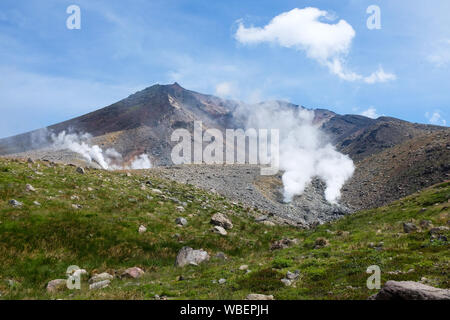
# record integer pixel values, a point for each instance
(50, 73)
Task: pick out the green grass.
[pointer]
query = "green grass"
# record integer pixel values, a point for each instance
(38, 243)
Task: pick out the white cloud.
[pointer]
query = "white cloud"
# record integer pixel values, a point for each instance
(304, 30)
(435, 118)
(370, 113)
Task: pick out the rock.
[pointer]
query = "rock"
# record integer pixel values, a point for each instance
(188, 255)
(321, 243)
(256, 296)
(409, 227)
(30, 160)
(56, 285)
(286, 282)
(221, 256)
(133, 272)
(425, 224)
(293, 275)
(36, 203)
(220, 230)
(29, 188)
(221, 220)
(180, 208)
(268, 223)
(101, 277)
(283, 244)
(181, 221)
(410, 290)
(243, 267)
(157, 191)
(80, 170)
(142, 229)
(439, 230)
(15, 203)
(76, 206)
(99, 285)
(261, 218)
(222, 281)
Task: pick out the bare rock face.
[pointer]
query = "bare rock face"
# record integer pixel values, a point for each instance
(188, 256)
(410, 290)
(221, 220)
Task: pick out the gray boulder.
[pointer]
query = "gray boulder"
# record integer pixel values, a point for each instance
(410, 290)
(221, 220)
(188, 256)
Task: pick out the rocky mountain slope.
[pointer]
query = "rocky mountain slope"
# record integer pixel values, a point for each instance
(390, 154)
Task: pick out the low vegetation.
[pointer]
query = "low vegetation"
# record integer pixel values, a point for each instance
(91, 220)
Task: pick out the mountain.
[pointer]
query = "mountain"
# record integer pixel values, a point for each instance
(392, 156)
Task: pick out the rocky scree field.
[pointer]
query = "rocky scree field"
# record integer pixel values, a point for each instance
(53, 216)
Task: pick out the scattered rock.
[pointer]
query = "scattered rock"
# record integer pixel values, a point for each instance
(425, 224)
(293, 275)
(142, 229)
(15, 203)
(222, 281)
(101, 277)
(80, 170)
(256, 296)
(286, 282)
(36, 203)
(56, 285)
(188, 256)
(99, 285)
(220, 230)
(219, 219)
(321, 243)
(268, 223)
(243, 267)
(409, 227)
(283, 244)
(221, 256)
(30, 160)
(410, 290)
(439, 230)
(261, 218)
(157, 191)
(29, 188)
(133, 272)
(181, 221)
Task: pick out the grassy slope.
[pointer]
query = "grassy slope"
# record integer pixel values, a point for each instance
(37, 244)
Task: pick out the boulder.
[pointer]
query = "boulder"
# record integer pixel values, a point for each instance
(410, 290)
(181, 221)
(29, 188)
(80, 170)
(133, 272)
(220, 230)
(15, 203)
(101, 277)
(56, 285)
(99, 285)
(188, 256)
(221, 220)
(142, 229)
(293, 275)
(409, 227)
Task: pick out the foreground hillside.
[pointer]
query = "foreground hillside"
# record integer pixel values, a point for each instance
(91, 220)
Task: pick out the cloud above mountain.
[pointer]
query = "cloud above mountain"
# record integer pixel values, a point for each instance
(308, 30)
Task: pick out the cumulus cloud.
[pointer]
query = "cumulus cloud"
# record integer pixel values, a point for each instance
(370, 113)
(436, 118)
(306, 31)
